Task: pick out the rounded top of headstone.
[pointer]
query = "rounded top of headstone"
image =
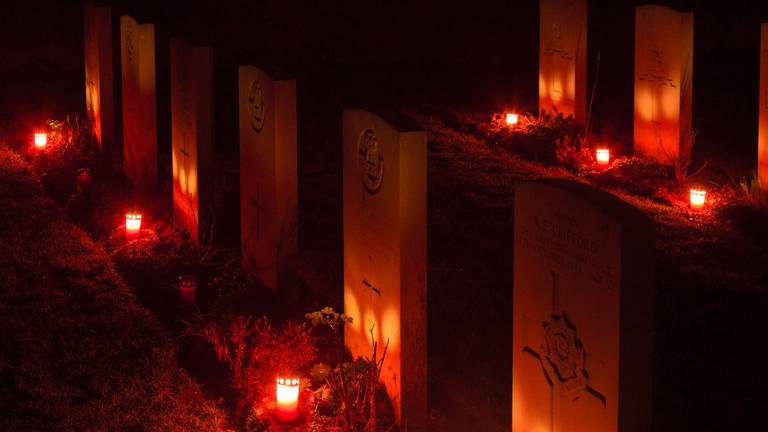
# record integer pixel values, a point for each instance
(656, 7)
(276, 73)
(607, 203)
(399, 120)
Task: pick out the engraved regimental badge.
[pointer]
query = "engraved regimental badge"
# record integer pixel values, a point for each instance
(256, 106)
(370, 161)
(563, 358)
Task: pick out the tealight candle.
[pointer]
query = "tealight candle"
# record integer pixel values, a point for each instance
(132, 225)
(603, 156)
(698, 197)
(512, 119)
(287, 399)
(187, 289)
(41, 140)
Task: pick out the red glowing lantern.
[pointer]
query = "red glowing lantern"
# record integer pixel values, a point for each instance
(603, 156)
(83, 177)
(287, 399)
(512, 119)
(41, 140)
(187, 289)
(132, 225)
(698, 197)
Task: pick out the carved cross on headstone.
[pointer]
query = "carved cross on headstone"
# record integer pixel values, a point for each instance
(562, 357)
(257, 203)
(658, 78)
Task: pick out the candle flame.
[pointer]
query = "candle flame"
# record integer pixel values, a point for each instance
(41, 139)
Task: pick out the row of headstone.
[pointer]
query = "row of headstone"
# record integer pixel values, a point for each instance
(582, 272)
(663, 73)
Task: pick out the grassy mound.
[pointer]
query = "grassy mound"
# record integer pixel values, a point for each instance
(76, 352)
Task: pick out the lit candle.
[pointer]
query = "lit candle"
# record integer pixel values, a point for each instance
(603, 156)
(132, 225)
(287, 399)
(41, 140)
(512, 119)
(698, 197)
(187, 289)
(83, 176)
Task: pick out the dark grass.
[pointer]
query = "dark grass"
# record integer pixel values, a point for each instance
(78, 353)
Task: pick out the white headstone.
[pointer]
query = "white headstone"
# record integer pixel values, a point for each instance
(563, 57)
(99, 82)
(663, 82)
(583, 311)
(268, 181)
(192, 135)
(137, 43)
(762, 134)
(385, 255)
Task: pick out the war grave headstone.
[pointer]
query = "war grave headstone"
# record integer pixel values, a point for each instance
(191, 134)
(137, 54)
(583, 311)
(663, 83)
(762, 133)
(385, 216)
(268, 180)
(99, 81)
(563, 57)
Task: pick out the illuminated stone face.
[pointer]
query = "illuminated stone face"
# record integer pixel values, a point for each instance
(268, 179)
(562, 57)
(663, 82)
(762, 131)
(385, 251)
(191, 134)
(582, 308)
(99, 91)
(139, 102)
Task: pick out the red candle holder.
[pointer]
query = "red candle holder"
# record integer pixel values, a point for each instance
(287, 396)
(41, 140)
(132, 225)
(698, 198)
(512, 119)
(187, 289)
(603, 157)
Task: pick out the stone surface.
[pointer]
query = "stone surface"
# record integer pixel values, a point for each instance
(385, 256)
(268, 181)
(762, 133)
(583, 311)
(563, 57)
(99, 81)
(192, 135)
(663, 82)
(137, 65)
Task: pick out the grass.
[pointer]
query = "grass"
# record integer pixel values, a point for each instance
(77, 352)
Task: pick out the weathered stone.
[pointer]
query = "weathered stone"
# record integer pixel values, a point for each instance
(762, 133)
(563, 57)
(268, 181)
(99, 81)
(385, 237)
(663, 83)
(137, 43)
(583, 311)
(192, 135)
